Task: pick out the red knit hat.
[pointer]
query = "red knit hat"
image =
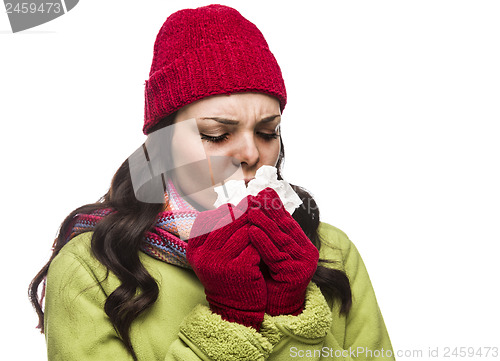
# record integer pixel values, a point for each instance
(206, 51)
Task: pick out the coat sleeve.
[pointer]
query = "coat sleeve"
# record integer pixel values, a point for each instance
(363, 334)
(303, 335)
(77, 328)
(319, 332)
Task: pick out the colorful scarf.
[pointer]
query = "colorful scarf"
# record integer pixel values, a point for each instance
(166, 240)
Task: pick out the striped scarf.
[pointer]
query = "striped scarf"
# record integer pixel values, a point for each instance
(166, 240)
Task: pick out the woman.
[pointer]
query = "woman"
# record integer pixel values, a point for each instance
(154, 271)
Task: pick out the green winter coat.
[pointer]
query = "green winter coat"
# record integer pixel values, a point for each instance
(180, 326)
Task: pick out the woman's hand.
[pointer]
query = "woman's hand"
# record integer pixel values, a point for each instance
(227, 264)
(289, 255)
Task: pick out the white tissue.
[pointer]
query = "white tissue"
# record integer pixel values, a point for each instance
(266, 176)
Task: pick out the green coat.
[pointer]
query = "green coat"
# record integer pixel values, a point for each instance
(180, 326)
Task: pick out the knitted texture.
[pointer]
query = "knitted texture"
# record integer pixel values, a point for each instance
(165, 241)
(227, 265)
(208, 51)
(312, 325)
(289, 255)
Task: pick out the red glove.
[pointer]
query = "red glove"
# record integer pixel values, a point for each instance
(289, 255)
(227, 265)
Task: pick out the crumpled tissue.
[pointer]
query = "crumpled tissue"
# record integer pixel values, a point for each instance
(266, 176)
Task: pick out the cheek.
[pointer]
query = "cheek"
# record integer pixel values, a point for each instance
(185, 151)
(270, 153)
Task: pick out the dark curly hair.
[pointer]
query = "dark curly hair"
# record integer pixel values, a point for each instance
(117, 238)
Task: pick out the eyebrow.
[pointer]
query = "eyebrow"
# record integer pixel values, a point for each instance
(234, 122)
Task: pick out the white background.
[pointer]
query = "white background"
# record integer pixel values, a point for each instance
(392, 122)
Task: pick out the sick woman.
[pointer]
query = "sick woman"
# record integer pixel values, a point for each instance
(200, 250)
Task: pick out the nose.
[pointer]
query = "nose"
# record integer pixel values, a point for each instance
(247, 151)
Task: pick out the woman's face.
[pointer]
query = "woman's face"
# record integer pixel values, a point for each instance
(241, 128)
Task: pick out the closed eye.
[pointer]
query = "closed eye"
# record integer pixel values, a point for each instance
(268, 136)
(216, 139)
(224, 137)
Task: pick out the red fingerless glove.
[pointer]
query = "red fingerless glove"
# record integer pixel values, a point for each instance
(288, 253)
(227, 265)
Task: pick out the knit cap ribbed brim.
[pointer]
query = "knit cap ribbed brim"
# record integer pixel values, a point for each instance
(208, 51)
